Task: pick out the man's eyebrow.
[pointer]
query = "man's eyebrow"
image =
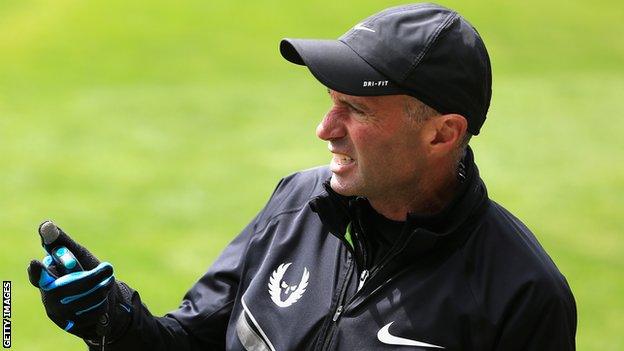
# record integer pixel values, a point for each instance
(358, 106)
(353, 104)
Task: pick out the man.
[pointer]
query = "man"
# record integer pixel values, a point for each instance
(394, 246)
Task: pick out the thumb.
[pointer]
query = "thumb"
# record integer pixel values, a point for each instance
(38, 273)
(53, 237)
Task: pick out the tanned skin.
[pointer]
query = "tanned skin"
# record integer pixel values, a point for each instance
(401, 164)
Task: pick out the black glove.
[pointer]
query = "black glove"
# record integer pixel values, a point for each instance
(79, 293)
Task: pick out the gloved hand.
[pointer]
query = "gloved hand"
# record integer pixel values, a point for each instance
(79, 293)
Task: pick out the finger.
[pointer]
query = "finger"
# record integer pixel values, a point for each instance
(100, 289)
(50, 266)
(53, 237)
(48, 232)
(47, 261)
(67, 260)
(82, 304)
(39, 275)
(80, 282)
(34, 273)
(92, 309)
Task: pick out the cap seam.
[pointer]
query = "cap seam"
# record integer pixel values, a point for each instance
(352, 33)
(399, 9)
(474, 105)
(434, 37)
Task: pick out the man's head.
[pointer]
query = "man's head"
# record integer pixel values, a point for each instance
(424, 75)
(422, 50)
(388, 146)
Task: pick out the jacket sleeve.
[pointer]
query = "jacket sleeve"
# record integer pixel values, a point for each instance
(201, 320)
(540, 323)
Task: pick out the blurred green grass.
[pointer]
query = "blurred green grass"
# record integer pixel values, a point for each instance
(153, 131)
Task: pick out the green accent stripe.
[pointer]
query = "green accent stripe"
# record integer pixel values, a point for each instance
(348, 235)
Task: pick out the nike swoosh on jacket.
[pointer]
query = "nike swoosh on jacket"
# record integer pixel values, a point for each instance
(476, 278)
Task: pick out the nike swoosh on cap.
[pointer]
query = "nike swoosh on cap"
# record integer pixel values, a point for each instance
(385, 337)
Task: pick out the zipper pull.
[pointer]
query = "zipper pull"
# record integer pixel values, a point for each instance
(337, 314)
(363, 278)
(103, 341)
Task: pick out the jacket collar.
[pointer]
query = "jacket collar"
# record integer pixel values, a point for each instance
(421, 233)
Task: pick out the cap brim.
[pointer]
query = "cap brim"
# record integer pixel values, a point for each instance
(338, 67)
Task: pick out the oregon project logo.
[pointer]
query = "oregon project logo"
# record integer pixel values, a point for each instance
(293, 292)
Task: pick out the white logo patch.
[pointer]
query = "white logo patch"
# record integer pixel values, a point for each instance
(375, 83)
(277, 285)
(385, 337)
(360, 26)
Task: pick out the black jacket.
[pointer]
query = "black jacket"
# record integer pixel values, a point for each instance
(472, 277)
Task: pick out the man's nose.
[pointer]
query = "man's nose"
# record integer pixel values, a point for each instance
(332, 126)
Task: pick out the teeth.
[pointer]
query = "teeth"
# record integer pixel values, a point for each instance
(342, 159)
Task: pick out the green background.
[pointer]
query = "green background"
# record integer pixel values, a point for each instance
(153, 131)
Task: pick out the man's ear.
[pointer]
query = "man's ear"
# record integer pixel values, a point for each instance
(449, 131)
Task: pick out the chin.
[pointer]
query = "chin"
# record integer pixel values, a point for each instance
(343, 186)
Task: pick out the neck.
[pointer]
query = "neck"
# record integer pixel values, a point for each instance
(432, 194)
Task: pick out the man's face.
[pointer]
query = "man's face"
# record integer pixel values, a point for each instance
(378, 150)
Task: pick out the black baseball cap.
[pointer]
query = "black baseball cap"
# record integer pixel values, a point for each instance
(423, 50)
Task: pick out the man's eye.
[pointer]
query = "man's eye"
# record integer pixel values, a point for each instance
(356, 110)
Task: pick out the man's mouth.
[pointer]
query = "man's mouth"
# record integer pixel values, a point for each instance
(342, 159)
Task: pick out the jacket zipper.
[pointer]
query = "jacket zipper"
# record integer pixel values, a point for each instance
(329, 330)
(341, 300)
(363, 276)
(340, 308)
(368, 275)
